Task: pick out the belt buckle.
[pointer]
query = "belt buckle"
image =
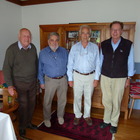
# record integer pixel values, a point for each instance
(60, 77)
(85, 73)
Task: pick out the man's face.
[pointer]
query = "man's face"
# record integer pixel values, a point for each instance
(53, 42)
(116, 31)
(85, 34)
(25, 38)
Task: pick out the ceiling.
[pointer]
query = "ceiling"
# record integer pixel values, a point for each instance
(33, 2)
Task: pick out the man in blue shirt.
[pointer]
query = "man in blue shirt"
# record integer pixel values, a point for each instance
(83, 73)
(52, 76)
(117, 61)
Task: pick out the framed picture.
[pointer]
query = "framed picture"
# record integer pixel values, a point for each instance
(72, 34)
(95, 36)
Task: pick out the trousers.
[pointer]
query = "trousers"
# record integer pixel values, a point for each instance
(27, 100)
(52, 86)
(112, 94)
(83, 85)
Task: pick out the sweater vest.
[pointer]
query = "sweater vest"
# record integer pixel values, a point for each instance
(115, 63)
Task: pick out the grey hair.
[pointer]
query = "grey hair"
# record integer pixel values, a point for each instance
(53, 33)
(85, 26)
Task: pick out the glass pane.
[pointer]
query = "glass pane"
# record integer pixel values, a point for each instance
(95, 37)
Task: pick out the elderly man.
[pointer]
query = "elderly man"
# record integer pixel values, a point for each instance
(83, 73)
(52, 76)
(117, 68)
(20, 73)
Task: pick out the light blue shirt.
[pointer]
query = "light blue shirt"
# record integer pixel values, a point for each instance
(20, 46)
(131, 70)
(84, 60)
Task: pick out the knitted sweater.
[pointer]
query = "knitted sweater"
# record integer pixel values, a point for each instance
(20, 65)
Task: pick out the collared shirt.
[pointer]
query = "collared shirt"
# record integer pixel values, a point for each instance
(52, 64)
(131, 70)
(83, 60)
(20, 46)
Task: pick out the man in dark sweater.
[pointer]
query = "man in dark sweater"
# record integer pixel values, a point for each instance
(20, 73)
(117, 68)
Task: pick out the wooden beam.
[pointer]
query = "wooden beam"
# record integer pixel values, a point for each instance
(33, 2)
(15, 1)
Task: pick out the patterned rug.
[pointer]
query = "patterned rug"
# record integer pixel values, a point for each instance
(79, 132)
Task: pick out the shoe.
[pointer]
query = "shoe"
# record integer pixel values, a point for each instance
(31, 126)
(104, 125)
(88, 121)
(60, 120)
(113, 129)
(22, 132)
(47, 123)
(76, 121)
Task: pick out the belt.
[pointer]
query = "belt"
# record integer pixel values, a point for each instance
(58, 77)
(84, 73)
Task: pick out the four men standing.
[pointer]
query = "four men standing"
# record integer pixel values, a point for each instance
(83, 69)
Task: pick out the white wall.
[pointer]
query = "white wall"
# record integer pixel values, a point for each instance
(82, 11)
(10, 23)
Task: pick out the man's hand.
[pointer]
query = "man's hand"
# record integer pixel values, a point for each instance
(95, 83)
(127, 83)
(11, 90)
(70, 83)
(42, 86)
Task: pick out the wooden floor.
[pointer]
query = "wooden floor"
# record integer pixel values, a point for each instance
(127, 129)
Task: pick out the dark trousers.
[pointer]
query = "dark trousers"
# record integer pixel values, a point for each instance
(27, 99)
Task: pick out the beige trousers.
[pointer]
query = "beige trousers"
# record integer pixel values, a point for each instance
(83, 85)
(52, 86)
(112, 90)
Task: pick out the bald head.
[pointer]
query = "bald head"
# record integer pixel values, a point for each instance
(24, 37)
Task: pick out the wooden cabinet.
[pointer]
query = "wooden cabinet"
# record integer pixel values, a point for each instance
(69, 33)
(100, 32)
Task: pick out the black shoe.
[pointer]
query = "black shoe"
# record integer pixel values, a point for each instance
(22, 132)
(104, 125)
(32, 126)
(113, 129)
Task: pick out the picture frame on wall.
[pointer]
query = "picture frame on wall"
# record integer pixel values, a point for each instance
(72, 34)
(95, 36)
